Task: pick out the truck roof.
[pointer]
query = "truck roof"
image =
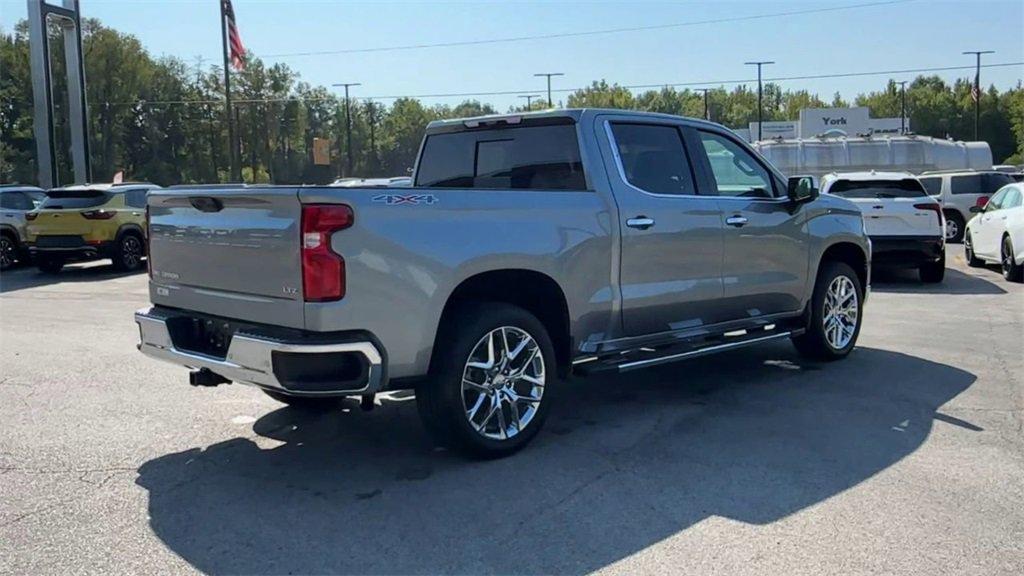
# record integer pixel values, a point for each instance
(574, 114)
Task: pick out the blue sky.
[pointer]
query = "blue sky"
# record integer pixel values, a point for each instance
(913, 34)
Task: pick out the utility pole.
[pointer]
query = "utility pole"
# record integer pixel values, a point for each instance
(707, 110)
(348, 125)
(548, 75)
(529, 100)
(903, 106)
(759, 107)
(976, 93)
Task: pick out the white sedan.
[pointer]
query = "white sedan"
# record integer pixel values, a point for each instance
(996, 233)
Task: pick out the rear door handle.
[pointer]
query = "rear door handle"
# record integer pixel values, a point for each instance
(640, 222)
(737, 221)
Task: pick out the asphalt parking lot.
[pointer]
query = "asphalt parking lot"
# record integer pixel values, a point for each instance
(906, 458)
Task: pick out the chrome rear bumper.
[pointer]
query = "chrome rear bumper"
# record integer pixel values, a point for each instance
(249, 358)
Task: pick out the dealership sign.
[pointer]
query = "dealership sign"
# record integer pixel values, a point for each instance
(831, 122)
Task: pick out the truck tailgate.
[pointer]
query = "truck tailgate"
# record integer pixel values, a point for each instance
(232, 253)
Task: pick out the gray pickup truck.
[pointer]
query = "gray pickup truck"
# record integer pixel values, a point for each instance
(529, 248)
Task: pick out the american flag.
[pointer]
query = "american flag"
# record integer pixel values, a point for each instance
(975, 89)
(234, 38)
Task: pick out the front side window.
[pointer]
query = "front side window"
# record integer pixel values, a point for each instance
(736, 171)
(996, 202)
(905, 188)
(523, 158)
(653, 158)
(1013, 199)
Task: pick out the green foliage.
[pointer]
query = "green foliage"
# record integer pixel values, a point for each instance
(163, 120)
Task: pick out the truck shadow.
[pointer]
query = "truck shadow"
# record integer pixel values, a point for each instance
(624, 463)
(26, 276)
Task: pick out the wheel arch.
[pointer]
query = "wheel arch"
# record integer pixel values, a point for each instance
(535, 292)
(851, 254)
(129, 228)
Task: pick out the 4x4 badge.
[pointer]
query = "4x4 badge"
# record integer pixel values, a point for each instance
(415, 199)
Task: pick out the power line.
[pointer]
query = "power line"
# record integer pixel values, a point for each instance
(628, 87)
(585, 32)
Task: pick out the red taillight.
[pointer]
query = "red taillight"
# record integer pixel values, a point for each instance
(30, 216)
(323, 270)
(99, 214)
(981, 201)
(934, 207)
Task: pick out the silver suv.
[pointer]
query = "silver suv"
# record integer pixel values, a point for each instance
(15, 202)
(960, 190)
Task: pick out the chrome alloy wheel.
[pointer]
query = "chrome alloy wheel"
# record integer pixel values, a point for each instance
(503, 383)
(952, 229)
(841, 312)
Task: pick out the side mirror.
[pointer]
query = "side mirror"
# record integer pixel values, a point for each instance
(801, 189)
(977, 209)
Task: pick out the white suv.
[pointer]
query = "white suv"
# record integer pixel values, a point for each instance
(905, 225)
(960, 190)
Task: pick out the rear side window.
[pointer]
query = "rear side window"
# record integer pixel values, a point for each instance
(16, 201)
(905, 188)
(136, 198)
(932, 185)
(979, 183)
(73, 199)
(653, 158)
(525, 158)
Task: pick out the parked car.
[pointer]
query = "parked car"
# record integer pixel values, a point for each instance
(15, 202)
(530, 247)
(1015, 172)
(89, 222)
(958, 191)
(996, 233)
(904, 223)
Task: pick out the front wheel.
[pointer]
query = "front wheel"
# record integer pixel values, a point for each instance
(490, 390)
(972, 259)
(8, 251)
(1011, 270)
(836, 312)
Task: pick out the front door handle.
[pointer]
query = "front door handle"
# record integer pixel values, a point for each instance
(737, 221)
(640, 222)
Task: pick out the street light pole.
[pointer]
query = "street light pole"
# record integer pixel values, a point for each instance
(529, 100)
(548, 75)
(759, 107)
(903, 106)
(977, 86)
(707, 110)
(348, 125)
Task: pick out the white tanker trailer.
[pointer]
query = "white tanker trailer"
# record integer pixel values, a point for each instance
(911, 153)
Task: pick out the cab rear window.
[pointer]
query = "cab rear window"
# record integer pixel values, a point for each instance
(73, 199)
(523, 158)
(906, 188)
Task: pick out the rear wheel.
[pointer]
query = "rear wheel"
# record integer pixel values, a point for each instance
(491, 390)
(128, 253)
(972, 260)
(954, 227)
(1011, 270)
(836, 308)
(8, 251)
(933, 272)
(50, 264)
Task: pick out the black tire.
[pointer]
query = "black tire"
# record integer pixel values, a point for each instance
(441, 399)
(49, 264)
(129, 252)
(972, 260)
(9, 251)
(933, 272)
(954, 227)
(1011, 270)
(814, 343)
(305, 403)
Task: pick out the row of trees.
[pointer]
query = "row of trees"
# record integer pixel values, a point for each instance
(162, 120)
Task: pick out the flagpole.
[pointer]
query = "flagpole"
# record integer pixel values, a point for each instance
(236, 173)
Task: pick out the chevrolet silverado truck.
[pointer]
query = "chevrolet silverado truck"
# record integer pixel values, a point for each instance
(529, 248)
